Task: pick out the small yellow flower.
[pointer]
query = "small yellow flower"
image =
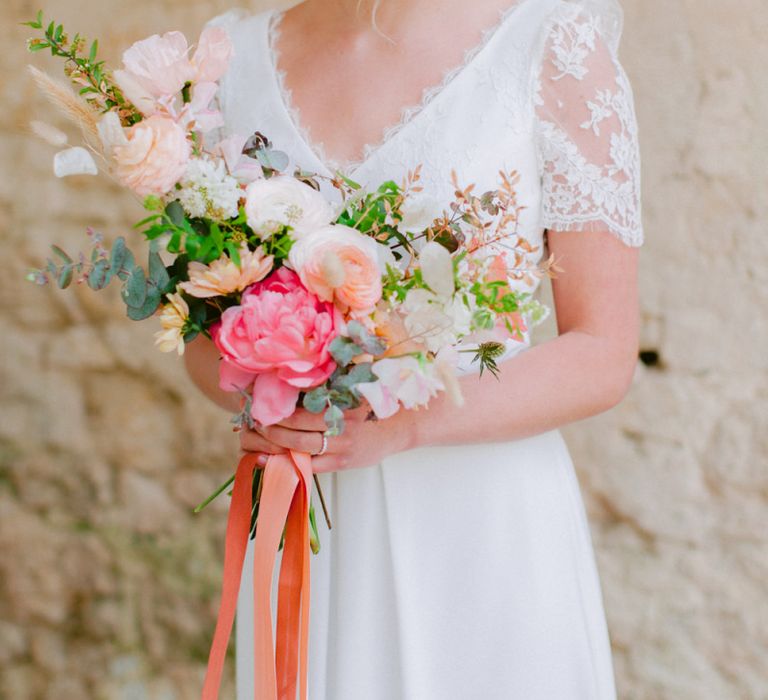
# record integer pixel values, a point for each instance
(173, 318)
(224, 277)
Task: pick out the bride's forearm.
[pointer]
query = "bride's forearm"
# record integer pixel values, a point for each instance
(571, 377)
(202, 362)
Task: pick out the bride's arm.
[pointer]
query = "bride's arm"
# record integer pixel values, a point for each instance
(201, 359)
(584, 371)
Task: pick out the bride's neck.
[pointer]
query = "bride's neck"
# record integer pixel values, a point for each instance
(387, 16)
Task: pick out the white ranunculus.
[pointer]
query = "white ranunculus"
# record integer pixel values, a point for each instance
(419, 211)
(285, 201)
(437, 269)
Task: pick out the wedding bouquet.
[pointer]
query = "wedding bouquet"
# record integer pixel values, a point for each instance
(316, 291)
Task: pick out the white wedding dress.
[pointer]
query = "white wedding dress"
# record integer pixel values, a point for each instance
(467, 573)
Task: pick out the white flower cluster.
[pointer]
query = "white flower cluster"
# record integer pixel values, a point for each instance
(208, 191)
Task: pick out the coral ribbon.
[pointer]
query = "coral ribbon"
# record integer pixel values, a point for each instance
(284, 502)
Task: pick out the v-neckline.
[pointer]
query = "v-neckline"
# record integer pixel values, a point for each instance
(408, 114)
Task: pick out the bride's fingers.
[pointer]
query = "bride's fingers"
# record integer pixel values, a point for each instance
(298, 440)
(251, 441)
(304, 420)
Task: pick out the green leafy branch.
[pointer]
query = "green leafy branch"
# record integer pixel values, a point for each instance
(83, 68)
(339, 394)
(142, 292)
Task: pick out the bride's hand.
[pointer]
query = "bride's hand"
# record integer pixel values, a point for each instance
(363, 442)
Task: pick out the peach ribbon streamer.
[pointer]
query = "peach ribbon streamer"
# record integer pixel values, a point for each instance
(284, 501)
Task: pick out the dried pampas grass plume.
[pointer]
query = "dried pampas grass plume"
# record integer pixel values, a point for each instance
(48, 133)
(73, 108)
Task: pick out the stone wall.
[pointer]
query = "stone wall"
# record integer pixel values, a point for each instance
(108, 583)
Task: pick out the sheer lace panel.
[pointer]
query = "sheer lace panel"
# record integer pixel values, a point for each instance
(587, 132)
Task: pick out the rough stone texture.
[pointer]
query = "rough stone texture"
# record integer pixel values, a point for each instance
(108, 583)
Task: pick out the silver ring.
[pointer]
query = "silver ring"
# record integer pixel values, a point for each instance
(324, 447)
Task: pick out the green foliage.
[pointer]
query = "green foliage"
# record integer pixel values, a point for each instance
(343, 350)
(334, 420)
(364, 339)
(88, 74)
(487, 354)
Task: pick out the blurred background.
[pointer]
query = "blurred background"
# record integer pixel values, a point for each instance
(108, 582)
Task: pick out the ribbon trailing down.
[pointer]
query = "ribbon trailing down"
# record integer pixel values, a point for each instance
(284, 502)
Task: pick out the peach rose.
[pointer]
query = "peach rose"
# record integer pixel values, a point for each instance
(155, 156)
(340, 264)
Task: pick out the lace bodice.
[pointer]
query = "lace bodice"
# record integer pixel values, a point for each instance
(543, 93)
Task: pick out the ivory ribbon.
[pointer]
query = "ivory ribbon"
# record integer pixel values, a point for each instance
(284, 501)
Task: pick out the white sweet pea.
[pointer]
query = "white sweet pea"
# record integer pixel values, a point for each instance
(401, 380)
(244, 168)
(437, 269)
(135, 93)
(285, 201)
(111, 132)
(435, 321)
(74, 161)
(419, 211)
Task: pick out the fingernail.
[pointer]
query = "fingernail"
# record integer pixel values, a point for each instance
(261, 460)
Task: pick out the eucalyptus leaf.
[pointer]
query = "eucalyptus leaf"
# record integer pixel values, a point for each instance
(150, 305)
(135, 289)
(100, 275)
(118, 254)
(369, 342)
(157, 272)
(343, 350)
(275, 160)
(334, 420)
(61, 253)
(65, 276)
(316, 400)
(128, 266)
(175, 212)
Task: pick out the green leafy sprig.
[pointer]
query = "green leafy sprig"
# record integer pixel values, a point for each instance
(83, 68)
(142, 290)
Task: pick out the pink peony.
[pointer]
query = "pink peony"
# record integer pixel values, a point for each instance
(277, 338)
(155, 156)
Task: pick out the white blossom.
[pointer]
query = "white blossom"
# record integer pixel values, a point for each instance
(208, 191)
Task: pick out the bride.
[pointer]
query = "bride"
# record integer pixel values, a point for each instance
(460, 565)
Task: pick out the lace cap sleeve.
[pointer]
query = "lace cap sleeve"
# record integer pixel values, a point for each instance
(586, 128)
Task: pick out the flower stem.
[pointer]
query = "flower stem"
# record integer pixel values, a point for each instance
(215, 494)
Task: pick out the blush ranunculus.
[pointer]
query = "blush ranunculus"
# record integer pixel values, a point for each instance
(339, 264)
(277, 338)
(154, 157)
